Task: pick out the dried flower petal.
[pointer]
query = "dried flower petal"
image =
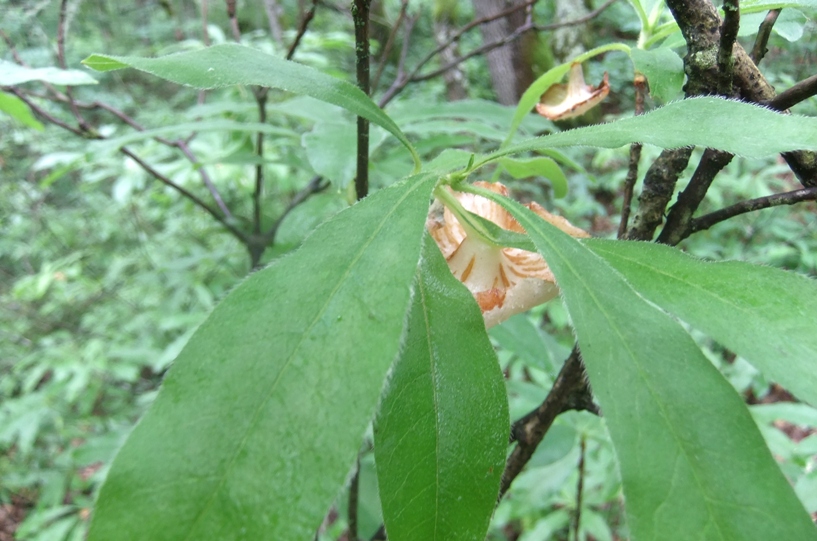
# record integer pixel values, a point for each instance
(563, 101)
(504, 281)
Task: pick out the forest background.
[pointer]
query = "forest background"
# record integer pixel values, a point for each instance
(131, 206)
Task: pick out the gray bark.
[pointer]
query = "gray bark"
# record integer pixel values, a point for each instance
(508, 67)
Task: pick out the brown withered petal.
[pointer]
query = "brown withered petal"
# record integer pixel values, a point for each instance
(504, 281)
(563, 101)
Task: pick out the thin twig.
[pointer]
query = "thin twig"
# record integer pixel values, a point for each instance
(764, 31)
(121, 115)
(231, 14)
(787, 198)
(581, 20)
(485, 48)
(62, 29)
(400, 81)
(569, 391)
(317, 184)
(360, 15)
(181, 144)
(308, 16)
(629, 186)
(577, 515)
(794, 95)
(260, 94)
(17, 58)
(459, 33)
(193, 197)
(46, 115)
(414, 76)
(640, 84)
(389, 44)
(729, 33)
(90, 134)
(258, 192)
(205, 178)
(516, 34)
(12, 48)
(712, 162)
(352, 507)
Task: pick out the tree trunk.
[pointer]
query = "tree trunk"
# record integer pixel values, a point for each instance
(454, 78)
(568, 42)
(510, 71)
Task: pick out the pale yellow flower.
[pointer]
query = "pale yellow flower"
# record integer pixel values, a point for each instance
(563, 101)
(504, 281)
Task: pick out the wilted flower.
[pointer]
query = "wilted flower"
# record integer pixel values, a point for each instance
(563, 101)
(504, 281)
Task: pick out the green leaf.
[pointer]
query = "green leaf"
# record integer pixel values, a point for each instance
(707, 122)
(538, 167)
(442, 429)
(664, 70)
(791, 24)
(261, 415)
(764, 315)
(18, 110)
(14, 74)
(692, 461)
(229, 64)
(534, 92)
